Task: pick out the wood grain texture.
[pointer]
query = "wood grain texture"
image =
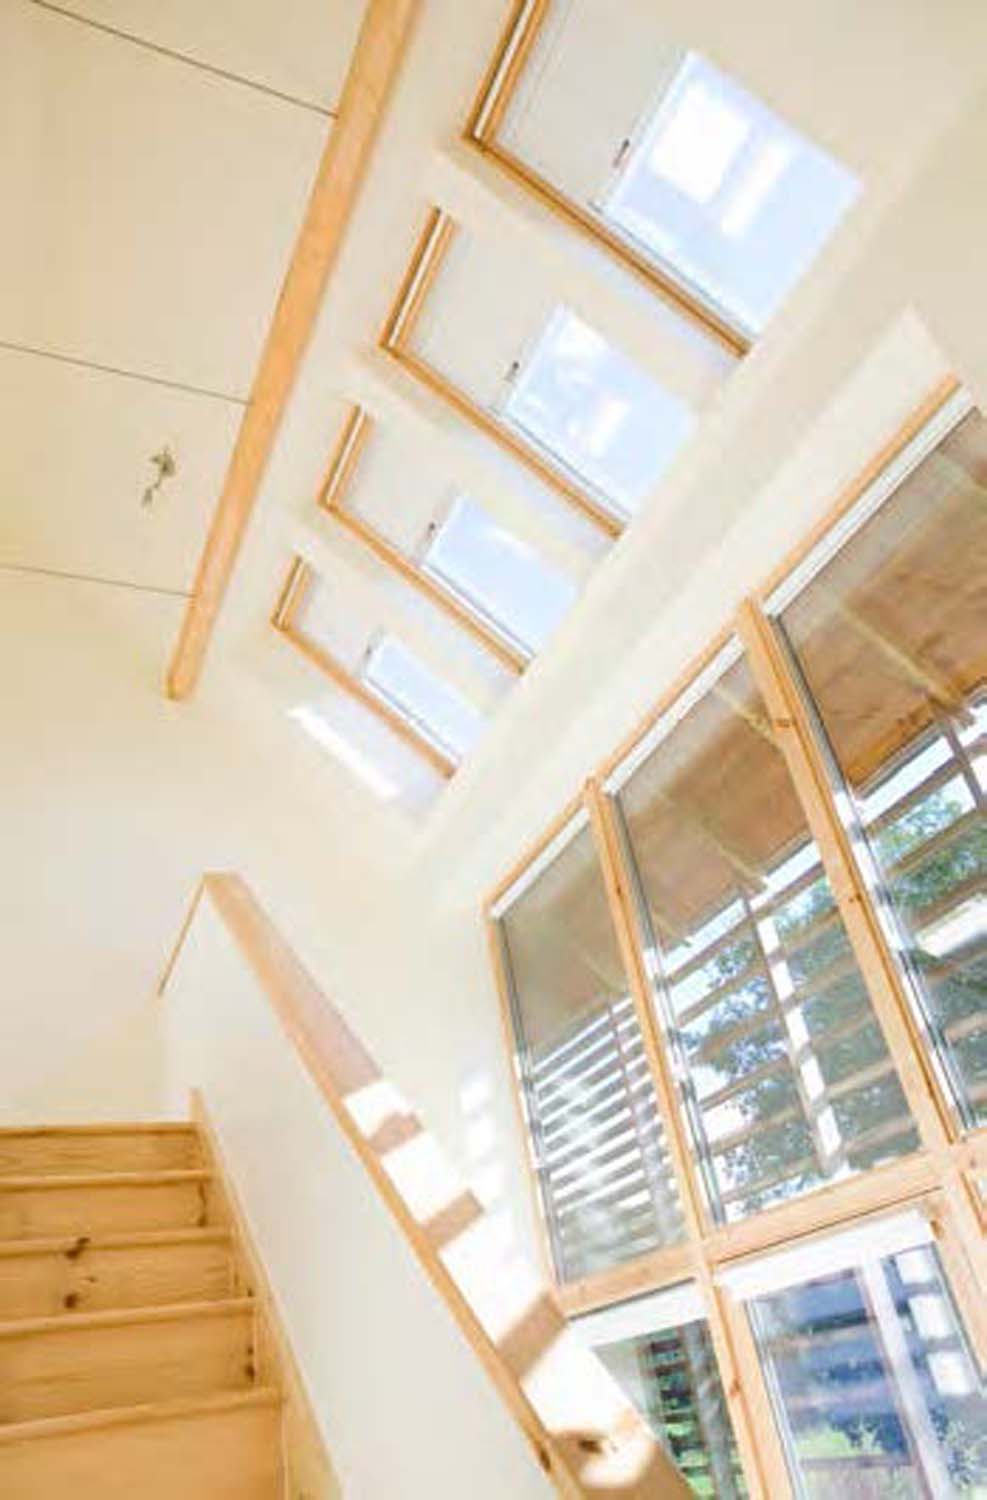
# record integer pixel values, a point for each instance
(218, 1448)
(41, 1278)
(54, 1366)
(380, 48)
(110, 1204)
(61, 1150)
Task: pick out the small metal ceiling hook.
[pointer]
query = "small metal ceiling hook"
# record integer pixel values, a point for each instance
(165, 467)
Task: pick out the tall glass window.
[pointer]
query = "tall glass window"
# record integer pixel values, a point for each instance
(891, 639)
(874, 1386)
(786, 1078)
(597, 1138)
(659, 1350)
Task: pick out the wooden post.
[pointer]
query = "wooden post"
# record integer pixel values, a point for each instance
(758, 1439)
(796, 739)
(961, 1233)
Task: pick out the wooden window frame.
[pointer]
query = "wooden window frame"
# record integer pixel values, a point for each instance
(357, 431)
(431, 249)
(524, 27)
(937, 1177)
(301, 577)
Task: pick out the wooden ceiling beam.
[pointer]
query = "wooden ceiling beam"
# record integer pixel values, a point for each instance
(380, 48)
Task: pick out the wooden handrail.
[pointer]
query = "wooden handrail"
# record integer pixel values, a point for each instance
(583, 1432)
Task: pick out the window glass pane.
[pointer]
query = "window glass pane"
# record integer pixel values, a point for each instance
(727, 194)
(787, 1082)
(891, 637)
(672, 1377)
(875, 1387)
(596, 1135)
(433, 707)
(498, 573)
(596, 412)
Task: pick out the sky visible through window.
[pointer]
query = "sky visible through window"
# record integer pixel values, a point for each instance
(597, 412)
(728, 195)
(445, 718)
(499, 574)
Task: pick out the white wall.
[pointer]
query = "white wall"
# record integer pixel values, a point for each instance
(405, 1408)
(113, 801)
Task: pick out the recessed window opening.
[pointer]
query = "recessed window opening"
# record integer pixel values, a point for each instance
(430, 705)
(647, 147)
(725, 193)
(498, 574)
(659, 1351)
(595, 412)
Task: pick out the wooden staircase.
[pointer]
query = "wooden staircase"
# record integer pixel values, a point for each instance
(134, 1360)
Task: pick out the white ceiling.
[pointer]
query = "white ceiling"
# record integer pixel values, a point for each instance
(154, 182)
(151, 204)
(300, 47)
(74, 464)
(894, 74)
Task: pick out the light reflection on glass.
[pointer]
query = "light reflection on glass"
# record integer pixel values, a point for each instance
(732, 198)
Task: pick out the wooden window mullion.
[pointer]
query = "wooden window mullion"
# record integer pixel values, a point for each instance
(758, 1438)
(797, 741)
(961, 1235)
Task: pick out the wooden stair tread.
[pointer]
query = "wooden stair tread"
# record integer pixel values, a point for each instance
(85, 1150)
(84, 1205)
(148, 1411)
(135, 1127)
(49, 1181)
(208, 1447)
(54, 1366)
(65, 1276)
(134, 1356)
(65, 1244)
(121, 1317)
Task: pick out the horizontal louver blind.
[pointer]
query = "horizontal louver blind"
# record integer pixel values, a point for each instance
(600, 1151)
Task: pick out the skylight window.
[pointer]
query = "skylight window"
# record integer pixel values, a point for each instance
(727, 195)
(596, 412)
(436, 710)
(500, 575)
